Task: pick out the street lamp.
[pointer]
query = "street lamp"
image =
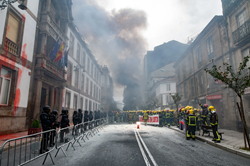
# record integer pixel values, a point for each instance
(5, 3)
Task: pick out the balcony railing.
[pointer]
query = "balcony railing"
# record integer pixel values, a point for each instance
(11, 47)
(242, 32)
(54, 69)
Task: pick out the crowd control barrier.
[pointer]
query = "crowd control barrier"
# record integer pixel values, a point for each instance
(22, 150)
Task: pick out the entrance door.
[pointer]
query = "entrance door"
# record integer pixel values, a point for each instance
(43, 99)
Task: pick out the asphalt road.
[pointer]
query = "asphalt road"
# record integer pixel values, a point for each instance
(119, 145)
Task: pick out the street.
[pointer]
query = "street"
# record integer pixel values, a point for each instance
(118, 145)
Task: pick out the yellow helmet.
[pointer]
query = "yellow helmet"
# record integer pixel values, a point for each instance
(186, 108)
(211, 108)
(191, 111)
(191, 108)
(145, 111)
(183, 109)
(195, 109)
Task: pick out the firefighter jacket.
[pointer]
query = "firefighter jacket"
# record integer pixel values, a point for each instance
(191, 120)
(145, 116)
(214, 119)
(198, 115)
(171, 114)
(167, 114)
(204, 111)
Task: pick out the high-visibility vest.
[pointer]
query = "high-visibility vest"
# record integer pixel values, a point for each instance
(167, 115)
(191, 119)
(145, 116)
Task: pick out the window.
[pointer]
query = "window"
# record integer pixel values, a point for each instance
(75, 102)
(168, 87)
(201, 79)
(102, 81)
(198, 55)
(82, 88)
(87, 86)
(91, 88)
(99, 94)
(90, 105)
(67, 100)
(78, 53)
(245, 53)
(81, 103)
(88, 66)
(76, 78)
(83, 58)
(210, 48)
(86, 104)
(241, 18)
(71, 45)
(94, 90)
(5, 83)
(92, 70)
(69, 73)
(14, 34)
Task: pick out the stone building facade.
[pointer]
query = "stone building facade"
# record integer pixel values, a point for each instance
(83, 86)
(224, 39)
(17, 46)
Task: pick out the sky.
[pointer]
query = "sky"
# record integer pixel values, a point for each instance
(119, 32)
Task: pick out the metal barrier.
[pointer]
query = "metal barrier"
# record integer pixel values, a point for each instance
(25, 149)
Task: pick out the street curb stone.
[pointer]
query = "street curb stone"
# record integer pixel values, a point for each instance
(229, 149)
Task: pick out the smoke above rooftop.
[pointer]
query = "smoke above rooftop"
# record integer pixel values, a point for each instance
(115, 38)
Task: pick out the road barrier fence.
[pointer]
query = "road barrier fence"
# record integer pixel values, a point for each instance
(22, 150)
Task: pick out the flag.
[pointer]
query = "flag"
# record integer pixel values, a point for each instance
(59, 54)
(54, 51)
(66, 58)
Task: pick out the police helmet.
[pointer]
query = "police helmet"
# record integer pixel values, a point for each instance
(80, 110)
(46, 109)
(55, 112)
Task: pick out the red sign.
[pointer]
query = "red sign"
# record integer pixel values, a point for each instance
(152, 119)
(214, 97)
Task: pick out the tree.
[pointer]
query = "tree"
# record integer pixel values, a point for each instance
(177, 98)
(237, 81)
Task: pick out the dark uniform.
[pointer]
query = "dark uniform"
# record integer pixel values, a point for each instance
(204, 114)
(75, 122)
(167, 115)
(53, 119)
(214, 124)
(64, 123)
(191, 123)
(90, 119)
(86, 119)
(46, 125)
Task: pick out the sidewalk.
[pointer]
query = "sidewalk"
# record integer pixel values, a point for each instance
(231, 141)
(4, 138)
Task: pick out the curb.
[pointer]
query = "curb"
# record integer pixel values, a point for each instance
(229, 149)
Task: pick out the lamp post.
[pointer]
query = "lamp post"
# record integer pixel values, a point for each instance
(5, 3)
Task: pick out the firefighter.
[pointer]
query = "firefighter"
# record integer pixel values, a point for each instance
(198, 115)
(160, 119)
(167, 115)
(178, 117)
(204, 113)
(214, 124)
(145, 117)
(191, 122)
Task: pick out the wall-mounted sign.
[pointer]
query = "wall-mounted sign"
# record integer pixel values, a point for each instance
(214, 97)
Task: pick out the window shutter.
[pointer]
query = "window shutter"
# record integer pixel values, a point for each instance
(13, 27)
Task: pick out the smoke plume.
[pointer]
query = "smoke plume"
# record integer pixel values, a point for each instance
(115, 38)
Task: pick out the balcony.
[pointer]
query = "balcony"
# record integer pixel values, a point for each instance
(242, 33)
(11, 47)
(228, 5)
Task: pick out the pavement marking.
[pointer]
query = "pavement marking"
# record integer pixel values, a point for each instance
(149, 154)
(142, 151)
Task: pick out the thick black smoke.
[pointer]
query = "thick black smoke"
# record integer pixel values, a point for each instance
(115, 38)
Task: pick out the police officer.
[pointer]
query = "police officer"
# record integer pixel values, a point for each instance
(64, 123)
(53, 119)
(204, 113)
(214, 124)
(46, 125)
(75, 119)
(191, 122)
(86, 119)
(90, 119)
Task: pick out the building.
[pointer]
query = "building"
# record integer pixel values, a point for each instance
(107, 101)
(119, 105)
(161, 83)
(237, 14)
(17, 46)
(83, 87)
(224, 39)
(49, 77)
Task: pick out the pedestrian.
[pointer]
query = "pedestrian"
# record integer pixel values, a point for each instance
(46, 125)
(75, 119)
(145, 118)
(214, 124)
(191, 123)
(64, 123)
(53, 119)
(86, 119)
